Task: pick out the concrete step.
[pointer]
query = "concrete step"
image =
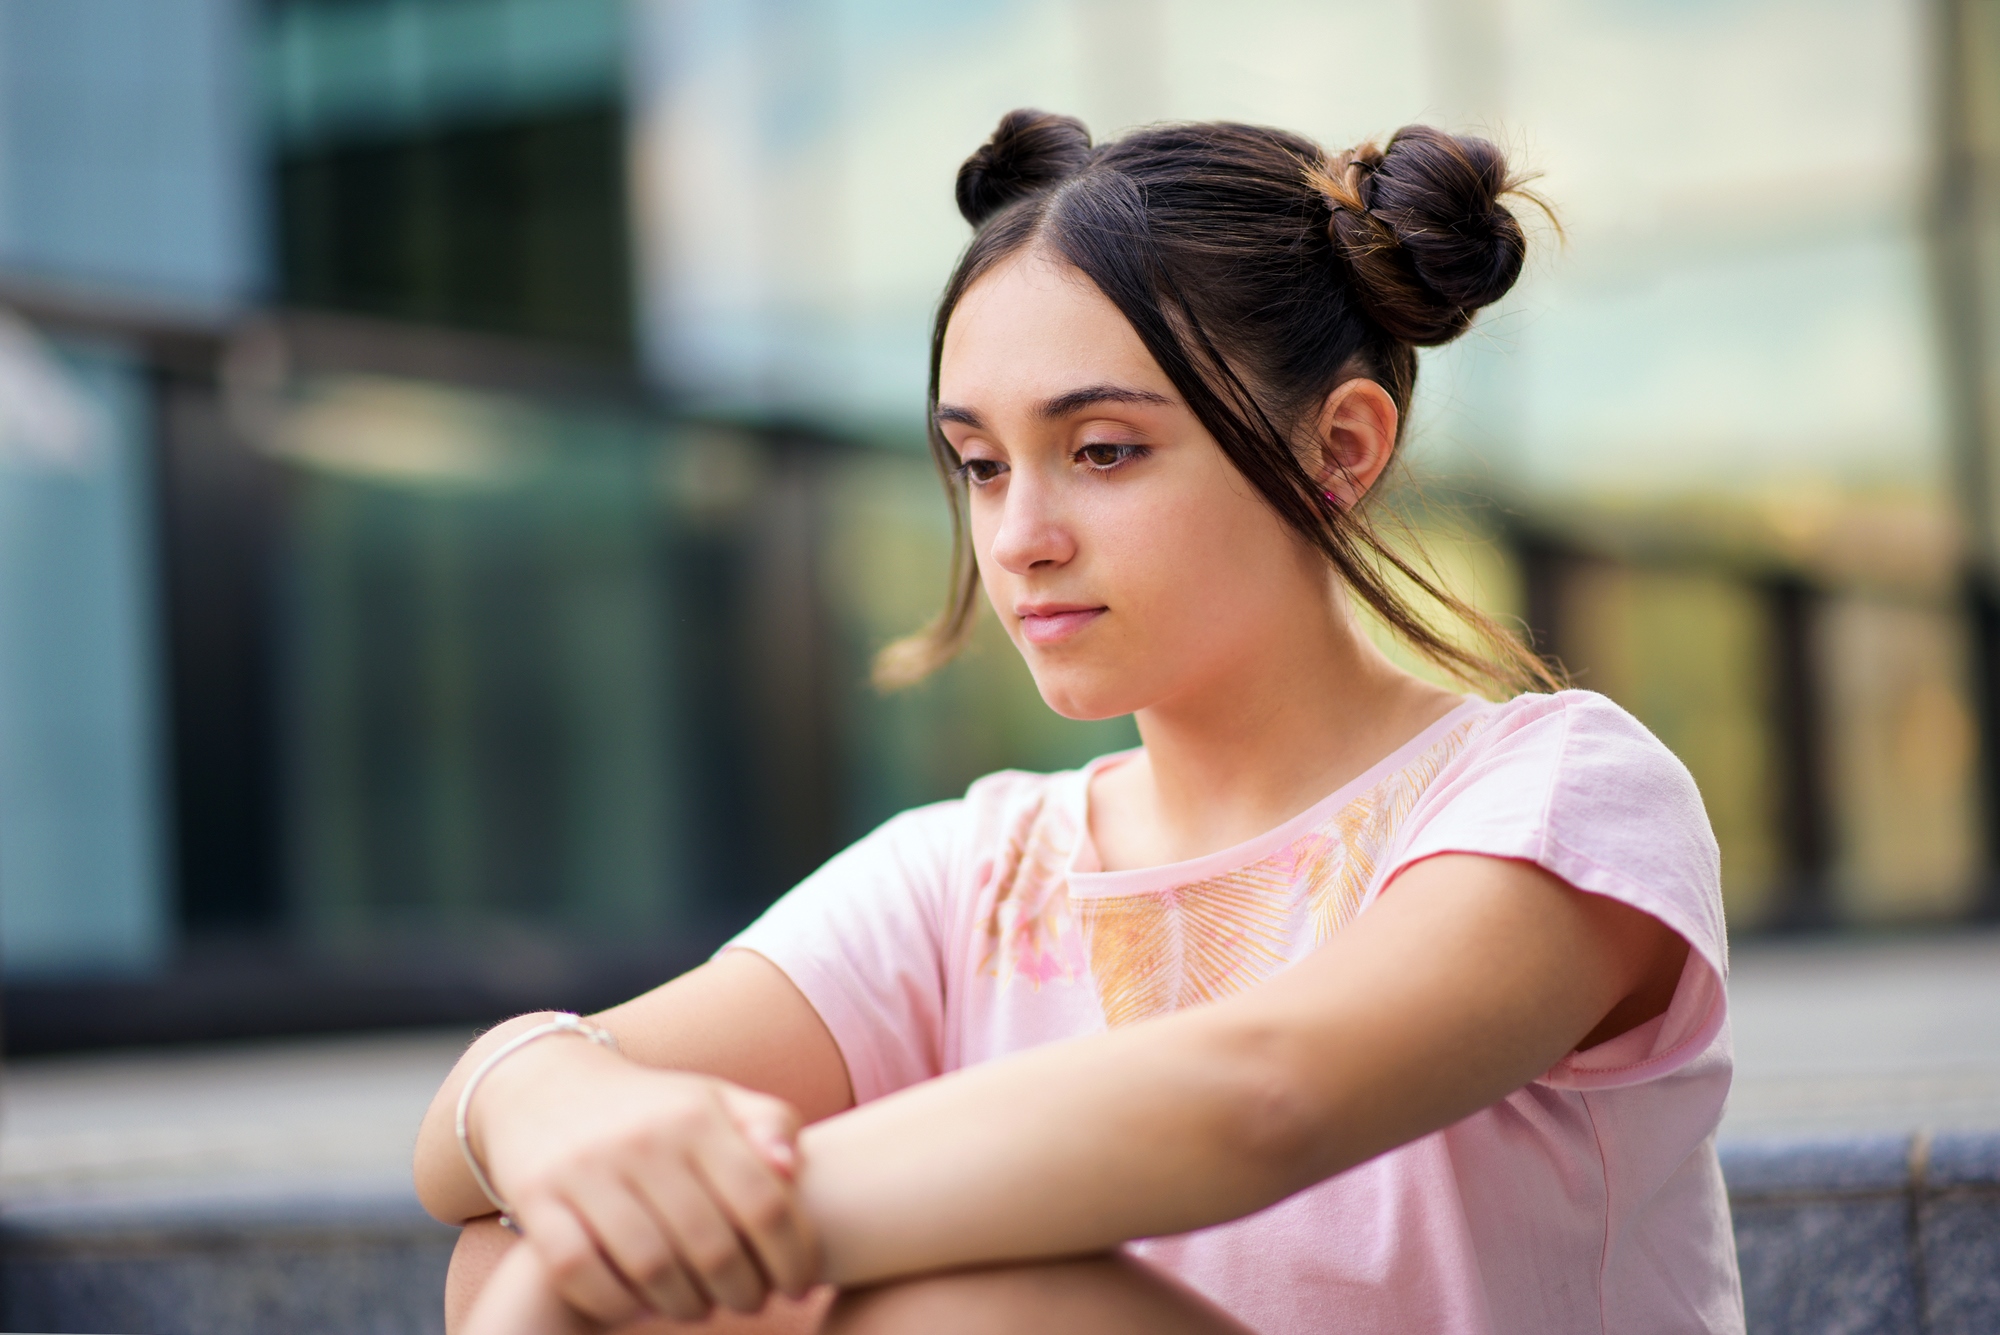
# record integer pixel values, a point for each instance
(249, 1189)
(330, 1266)
(1868, 1234)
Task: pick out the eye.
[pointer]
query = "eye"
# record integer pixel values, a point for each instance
(978, 472)
(1103, 456)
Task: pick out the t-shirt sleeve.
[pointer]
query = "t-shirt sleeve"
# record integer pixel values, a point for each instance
(1579, 787)
(863, 939)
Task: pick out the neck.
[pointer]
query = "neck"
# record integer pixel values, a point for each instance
(1231, 758)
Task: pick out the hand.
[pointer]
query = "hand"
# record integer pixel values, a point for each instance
(642, 1189)
(520, 1299)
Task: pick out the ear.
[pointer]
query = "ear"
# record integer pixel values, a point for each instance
(1355, 439)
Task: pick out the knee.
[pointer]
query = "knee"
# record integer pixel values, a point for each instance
(1107, 1295)
(481, 1245)
(963, 1303)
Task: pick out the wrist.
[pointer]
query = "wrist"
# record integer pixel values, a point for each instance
(539, 1057)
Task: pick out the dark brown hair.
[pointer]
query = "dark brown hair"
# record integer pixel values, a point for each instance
(1261, 273)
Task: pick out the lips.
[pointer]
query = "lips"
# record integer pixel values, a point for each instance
(1052, 623)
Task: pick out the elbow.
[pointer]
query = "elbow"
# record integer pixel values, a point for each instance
(433, 1193)
(437, 1211)
(1277, 1120)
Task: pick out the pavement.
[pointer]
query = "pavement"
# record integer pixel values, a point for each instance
(239, 1190)
(1895, 1034)
(221, 1128)
(1891, 1035)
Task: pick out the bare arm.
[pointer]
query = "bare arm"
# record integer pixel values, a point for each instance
(740, 1019)
(737, 1018)
(661, 1172)
(1470, 978)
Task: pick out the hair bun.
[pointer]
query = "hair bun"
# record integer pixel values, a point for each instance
(1029, 151)
(1421, 225)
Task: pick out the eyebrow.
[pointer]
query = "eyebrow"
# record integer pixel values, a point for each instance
(1062, 405)
(963, 416)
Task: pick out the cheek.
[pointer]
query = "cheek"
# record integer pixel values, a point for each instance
(982, 521)
(1193, 568)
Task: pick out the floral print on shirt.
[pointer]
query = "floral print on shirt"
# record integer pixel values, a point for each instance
(1156, 952)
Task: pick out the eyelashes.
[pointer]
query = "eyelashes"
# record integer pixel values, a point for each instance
(972, 471)
(1093, 457)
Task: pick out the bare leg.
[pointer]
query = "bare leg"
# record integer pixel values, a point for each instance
(1112, 1295)
(481, 1244)
(514, 1296)
(517, 1299)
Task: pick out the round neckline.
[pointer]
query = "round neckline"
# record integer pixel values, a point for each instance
(1166, 875)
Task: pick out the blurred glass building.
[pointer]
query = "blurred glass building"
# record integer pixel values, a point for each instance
(457, 457)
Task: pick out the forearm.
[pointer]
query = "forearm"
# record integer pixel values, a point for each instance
(1065, 1150)
(444, 1185)
(1431, 1006)
(737, 1018)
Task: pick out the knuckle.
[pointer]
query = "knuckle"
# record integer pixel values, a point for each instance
(713, 1255)
(565, 1157)
(633, 1143)
(765, 1210)
(533, 1188)
(779, 1111)
(649, 1262)
(682, 1123)
(605, 1148)
(748, 1298)
(607, 1307)
(549, 1181)
(681, 1304)
(568, 1263)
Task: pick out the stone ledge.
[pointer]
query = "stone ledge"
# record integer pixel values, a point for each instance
(1868, 1234)
(341, 1264)
(1837, 1235)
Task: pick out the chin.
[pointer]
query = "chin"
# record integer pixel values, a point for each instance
(1085, 696)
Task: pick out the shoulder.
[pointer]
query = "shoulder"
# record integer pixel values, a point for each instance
(1575, 784)
(1584, 755)
(1585, 713)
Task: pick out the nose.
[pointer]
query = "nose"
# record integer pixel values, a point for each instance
(1033, 532)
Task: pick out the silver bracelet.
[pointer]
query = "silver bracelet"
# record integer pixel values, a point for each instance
(564, 1023)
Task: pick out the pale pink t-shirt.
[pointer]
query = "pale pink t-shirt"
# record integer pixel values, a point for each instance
(1588, 1200)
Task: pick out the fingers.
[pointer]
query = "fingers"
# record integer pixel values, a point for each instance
(691, 1209)
(569, 1253)
(730, 1216)
(648, 1255)
(705, 1238)
(521, 1299)
(772, 1125)
(763, 1210)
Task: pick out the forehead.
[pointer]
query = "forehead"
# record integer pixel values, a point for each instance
(1034, 326)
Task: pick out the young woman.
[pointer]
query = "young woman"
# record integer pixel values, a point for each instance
(1345, 1003)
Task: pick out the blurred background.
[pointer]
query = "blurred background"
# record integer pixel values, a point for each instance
(457, 457)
